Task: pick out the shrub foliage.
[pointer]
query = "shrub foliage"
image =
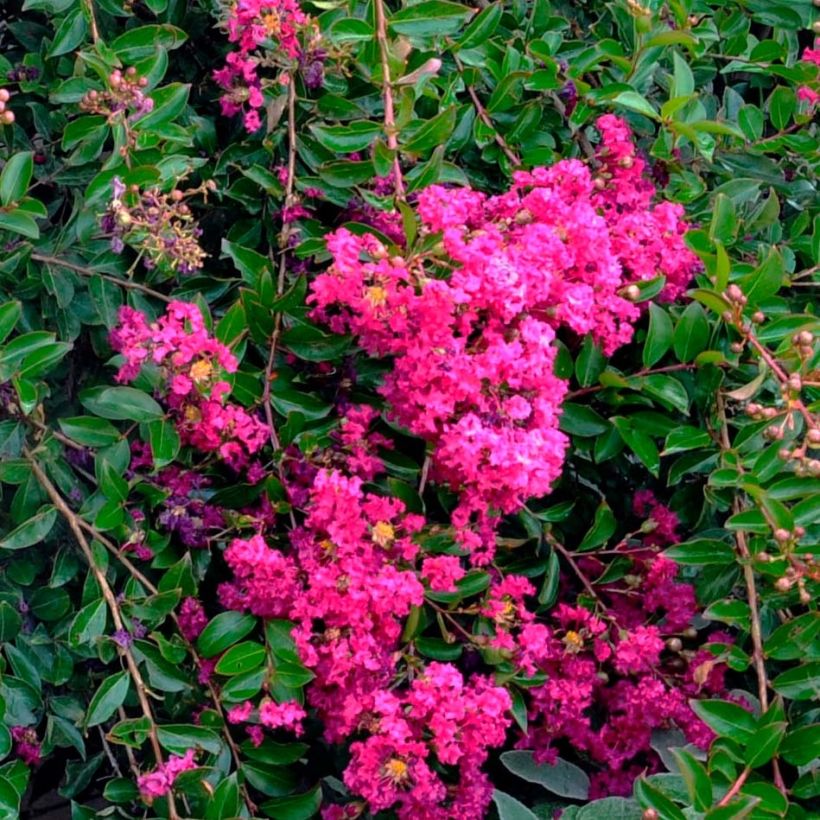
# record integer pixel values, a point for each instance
(409, 409)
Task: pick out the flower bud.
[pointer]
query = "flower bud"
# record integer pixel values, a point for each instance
(799, 531)
(814, 436)
(783, 584)
(758, 317)
(736, 347)
(649, 814)
(805, 337)
(763, 557)
(782, 535)
(7, 117)
(4, 95)
(674, 644)
(734, 293)
(633, 293)
(795, 382)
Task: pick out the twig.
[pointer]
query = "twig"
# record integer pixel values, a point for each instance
(485, 118)
(736, 787)
(671, 368)
(125, 283)
(92, 21)
(129, 752)
(578, 134)
(387, 94)
(108, 753)
(562, 550)
(139, 684)
(748, 576)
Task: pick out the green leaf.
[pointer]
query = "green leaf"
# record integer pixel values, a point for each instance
(295, 806)
(511, 809)
(10, 313)
(691, 333)
(642, 445)
(725, 719)
(764, 743)
(178, 738)
(601, 530)
(107, 699)
(563, 778)
(580, 420)
(164, 440)
(702, 551)
(765, 280)
(658, 337)
(636, 102)
(121, 403)
(241, 658)
(345, 139)
(10, 622)
(224, 630)
(434, 132)
(16, 176)
(683, 81)
(90, 431)
(696, 777)
(799, 683)
(32, 531)
(724, 220)
(651, 797)
(782, 105)
(481, 27)
(802, 746)
(686, 438)
(169, 102)
(19, 222)
(70, 33)
(590, 363)
(429, 18)
(88, 624)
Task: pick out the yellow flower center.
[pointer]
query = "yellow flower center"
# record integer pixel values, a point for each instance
(201, 371)
(271, 23)
(376, 295)
(396, 771)
(192, 414)
(383, 534)
(574, 642)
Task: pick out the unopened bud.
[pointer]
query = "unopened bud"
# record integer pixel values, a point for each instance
(782, 584)
(805, 596)
(674, 644)
(727, 316)
(633, 293)
(763, 557)
(7, 117)
(814, 436)
(795, 382)
(4, 95)
(799, 531)
(784, 454)
(734, 293)
(782, 535)
(176, 195)
(758, 317)
(805, 337)
(649, 814)
(736, 347)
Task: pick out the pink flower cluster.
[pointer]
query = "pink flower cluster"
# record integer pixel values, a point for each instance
(192, 364)
(471, 329)
(349, 583)
(255, 25)
(807, 93)
(26, 744)
(160, 781)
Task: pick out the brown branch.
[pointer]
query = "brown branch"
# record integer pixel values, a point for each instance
(671, 368)
(125, 283)
(514, 159)
(578, 135)
(92, 21)
(139, 684)
(736, 787)
(387, 94)
(563, 551)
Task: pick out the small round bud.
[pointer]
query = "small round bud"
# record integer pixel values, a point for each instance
(7, 117)
(674, 644)
(131, 71)
(758, 317)
(176, 195)
(763, 557)
(649, 814)
(799, 531)
(814, 436)
(4, 95)
(769, 412)
(795, 382)
(752, 408)
(784, 454)
(814, 467)
(2, 106)
(626, 162)
(805, 337)
(775, 433)
(805, 596)
(734, 293)
(727, 316)
(143, 81)
(690, 632)
(782, 535)
(599, 183)
(124, 218)
(633, 293)
(815, 26)
(211, 185)
(782, 584)
(736, 347)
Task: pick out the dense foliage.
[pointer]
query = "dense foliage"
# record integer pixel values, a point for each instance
(409, 409)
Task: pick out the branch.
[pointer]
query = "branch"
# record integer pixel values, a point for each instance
(671, 368)
(124, 283)
(485, 118)
(387, 93)
(73, 521)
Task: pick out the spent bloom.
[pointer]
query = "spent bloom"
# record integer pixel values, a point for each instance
(160, 781)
